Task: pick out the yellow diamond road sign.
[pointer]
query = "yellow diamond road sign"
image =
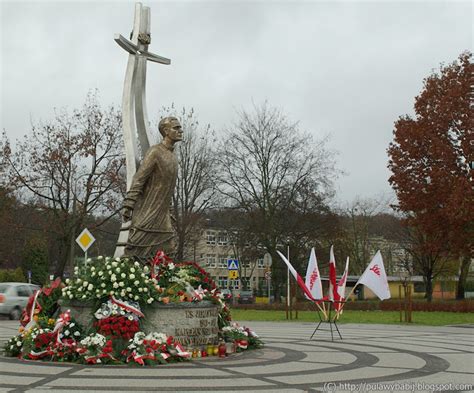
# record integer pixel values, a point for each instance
(85, 240)
(233, 274)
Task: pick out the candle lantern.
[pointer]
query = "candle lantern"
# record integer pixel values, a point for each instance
(210, 349)
(222, 349)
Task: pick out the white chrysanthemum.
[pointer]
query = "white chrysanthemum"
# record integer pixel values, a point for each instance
(68, 280)
(108, 267)
(113, 278)
(140, 289)
(79, 280)
(93, 274)
(114, 264)
(100, 273)
(88, 260)
(132, 269)
(145, 289)
(90, 287)
(129, 289)
(85, 283)
(77, 334)
(137, 264)
(117, 259)
(122, 293)
(115, 285)
(150, 300)
(112, 293)
(121, 284)
(102, 285)
(136, 283)
(123, 275)
(118, 270)
(136, 297)
(132, 276)
(171, 266)
(67, 333)
(71, 297)
(100, 257)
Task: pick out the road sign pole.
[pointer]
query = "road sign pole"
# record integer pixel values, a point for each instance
(269, 284)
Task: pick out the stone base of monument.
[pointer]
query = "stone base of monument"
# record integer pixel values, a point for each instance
(192, 324)
(82, 312)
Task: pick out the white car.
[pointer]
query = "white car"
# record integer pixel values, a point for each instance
(14, 297)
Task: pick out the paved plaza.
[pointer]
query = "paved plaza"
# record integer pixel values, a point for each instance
(369, 358)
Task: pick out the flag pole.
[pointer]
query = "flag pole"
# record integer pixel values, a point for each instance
(338, 312)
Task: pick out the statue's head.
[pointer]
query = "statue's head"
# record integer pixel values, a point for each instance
(171, 128)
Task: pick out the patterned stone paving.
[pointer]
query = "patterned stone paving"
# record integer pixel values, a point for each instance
(416, 358)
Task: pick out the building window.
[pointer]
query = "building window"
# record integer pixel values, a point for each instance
(222, 239)
(223, 261)
(260, 264)
(222, 282)
(419, 287)
(234, 284)
(210, 237)
(211, 260)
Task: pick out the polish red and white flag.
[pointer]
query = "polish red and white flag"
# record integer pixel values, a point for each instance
(297, 277)
(375, 277)
(332, 295)
(313, 278)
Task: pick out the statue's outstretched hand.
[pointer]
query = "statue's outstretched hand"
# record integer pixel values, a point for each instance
(127, 213)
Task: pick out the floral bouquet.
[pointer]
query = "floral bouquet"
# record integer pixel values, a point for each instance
(106, 277)
(95, 348)
(42, 305)
(153, 348)
(117, 327)
(243, 337)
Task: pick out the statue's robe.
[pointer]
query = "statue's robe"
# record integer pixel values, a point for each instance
(150, 198)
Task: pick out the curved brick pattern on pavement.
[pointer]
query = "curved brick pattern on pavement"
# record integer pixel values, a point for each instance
(290, 362)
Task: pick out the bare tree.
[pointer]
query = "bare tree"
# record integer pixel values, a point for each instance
(266, 163)
(196, 182)
(70, 168)
(357, 230)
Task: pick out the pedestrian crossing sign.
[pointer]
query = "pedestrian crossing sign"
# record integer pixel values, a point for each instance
(232, 264)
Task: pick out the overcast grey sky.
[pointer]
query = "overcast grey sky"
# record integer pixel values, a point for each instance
(347, 69)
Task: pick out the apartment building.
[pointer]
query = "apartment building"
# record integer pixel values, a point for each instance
(214, 248)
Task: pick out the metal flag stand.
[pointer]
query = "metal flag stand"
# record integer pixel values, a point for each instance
(327, 318)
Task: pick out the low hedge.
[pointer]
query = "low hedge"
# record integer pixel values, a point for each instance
(12, 275)
(466, 305)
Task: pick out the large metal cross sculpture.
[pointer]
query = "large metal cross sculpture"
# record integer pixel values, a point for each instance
(134, 113)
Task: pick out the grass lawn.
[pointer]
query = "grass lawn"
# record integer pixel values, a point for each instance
(434, 318)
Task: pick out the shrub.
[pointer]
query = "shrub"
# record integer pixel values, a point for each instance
(12, 275)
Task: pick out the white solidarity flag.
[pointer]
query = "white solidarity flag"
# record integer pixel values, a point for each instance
(313, 278)
(375, 277)
(341, 286)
